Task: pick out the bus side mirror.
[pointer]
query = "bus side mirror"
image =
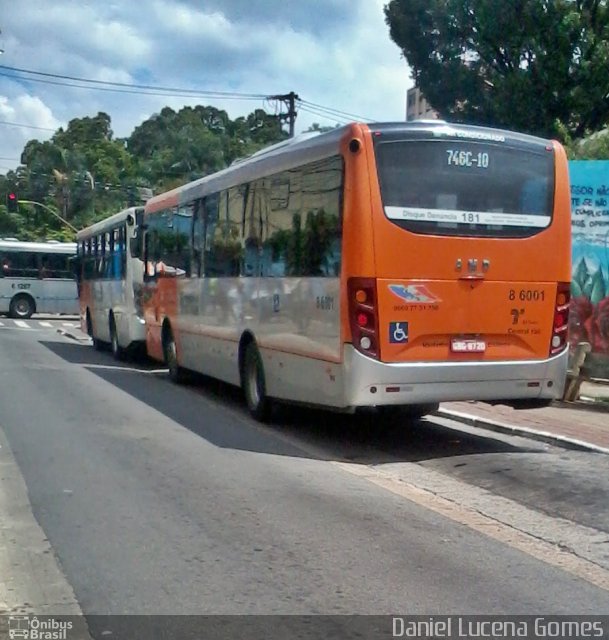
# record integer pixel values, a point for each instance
(76, 267)
(135, 245)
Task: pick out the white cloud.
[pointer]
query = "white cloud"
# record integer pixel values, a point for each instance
(25, 110)
(335, 53)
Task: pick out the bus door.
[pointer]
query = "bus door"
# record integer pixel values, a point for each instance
(162, 271)
(150, 297)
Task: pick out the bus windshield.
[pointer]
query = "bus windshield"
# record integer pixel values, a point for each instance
(466, 188)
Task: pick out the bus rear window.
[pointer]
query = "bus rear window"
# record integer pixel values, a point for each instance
(464, 188)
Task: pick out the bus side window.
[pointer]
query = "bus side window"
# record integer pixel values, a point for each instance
(5, 270)
(54, 265)
(198, 239)
(120, 248)
(88, 262)
(44, 271)
(24, 265)
(213, 233)
(150, 254)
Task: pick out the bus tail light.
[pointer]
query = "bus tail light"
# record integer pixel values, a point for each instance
(561, 318)
(363, 316)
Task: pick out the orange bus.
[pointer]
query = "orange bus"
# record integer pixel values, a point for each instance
(387, 265)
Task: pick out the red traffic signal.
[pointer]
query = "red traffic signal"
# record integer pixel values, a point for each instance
(12, 202)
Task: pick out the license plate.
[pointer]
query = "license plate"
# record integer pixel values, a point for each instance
(468, 346)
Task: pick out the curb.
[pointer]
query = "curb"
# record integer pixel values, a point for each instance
(525, 432)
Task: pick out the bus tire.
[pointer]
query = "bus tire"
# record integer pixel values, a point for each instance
(22, 306)
(176, 373)
(97, 344)
(117, 351)
(254, 385)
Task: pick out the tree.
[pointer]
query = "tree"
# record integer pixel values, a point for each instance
(87, 174)
(594, 147)
(538, 66)
(320, 129)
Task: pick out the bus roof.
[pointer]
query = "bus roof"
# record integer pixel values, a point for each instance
(38, 247)
(284, 155)
(441, 128)
(313, 146)
(106, 223)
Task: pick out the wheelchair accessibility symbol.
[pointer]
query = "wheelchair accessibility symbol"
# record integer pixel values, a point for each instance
(398, 332)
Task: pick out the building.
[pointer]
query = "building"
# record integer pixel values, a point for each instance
(417, 107)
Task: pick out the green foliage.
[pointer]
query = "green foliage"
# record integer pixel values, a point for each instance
(321, 129)
(594, 147)
(538, 66)
(171, 147)
(85, 174)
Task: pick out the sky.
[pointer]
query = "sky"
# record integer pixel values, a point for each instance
(333, 53)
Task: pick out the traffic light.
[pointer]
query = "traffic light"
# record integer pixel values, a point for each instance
(12, 202)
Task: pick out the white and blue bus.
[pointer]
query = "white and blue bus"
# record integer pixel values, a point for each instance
(111, 276)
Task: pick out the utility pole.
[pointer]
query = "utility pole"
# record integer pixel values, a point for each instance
(289, 100)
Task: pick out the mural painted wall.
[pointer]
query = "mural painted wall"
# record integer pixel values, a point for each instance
(589, 320)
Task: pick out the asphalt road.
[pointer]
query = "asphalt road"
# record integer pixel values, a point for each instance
(164, 499)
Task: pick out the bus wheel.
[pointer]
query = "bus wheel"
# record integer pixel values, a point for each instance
(97, 344)
(22, 306)
(254, 386)
(117, 351)
(176, 373)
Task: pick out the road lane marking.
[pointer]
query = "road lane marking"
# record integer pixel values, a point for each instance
(45, 324)
(22, 323)
(118, 367)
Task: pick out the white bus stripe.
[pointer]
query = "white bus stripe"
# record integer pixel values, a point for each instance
(21, 323)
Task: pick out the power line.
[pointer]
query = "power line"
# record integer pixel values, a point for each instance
(121, 87)
(153, 90)
(130, 91)
(337, 112)
(24, 126)
(321, 114)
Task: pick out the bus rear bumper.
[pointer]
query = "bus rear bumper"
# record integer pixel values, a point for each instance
(369, 382)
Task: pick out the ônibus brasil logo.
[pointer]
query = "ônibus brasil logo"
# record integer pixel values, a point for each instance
(413, 293)
(34, 628)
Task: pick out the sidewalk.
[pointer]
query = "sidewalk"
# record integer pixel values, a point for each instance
(583, 424)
